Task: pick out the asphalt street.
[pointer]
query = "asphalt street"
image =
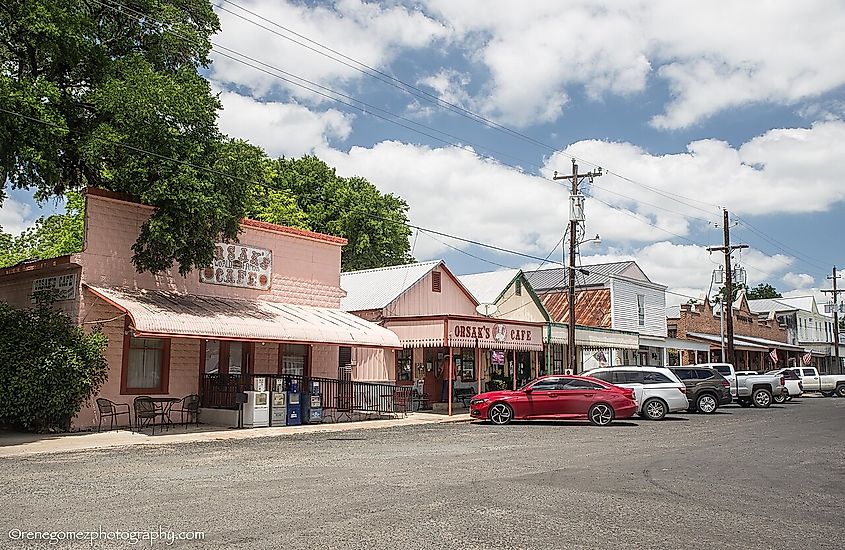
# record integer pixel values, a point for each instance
(742, 478)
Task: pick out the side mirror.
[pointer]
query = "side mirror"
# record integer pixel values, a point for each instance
(528, 390)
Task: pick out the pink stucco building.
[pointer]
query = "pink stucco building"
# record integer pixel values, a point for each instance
(270, 304)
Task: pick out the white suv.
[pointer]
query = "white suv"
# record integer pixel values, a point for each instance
(657, 390)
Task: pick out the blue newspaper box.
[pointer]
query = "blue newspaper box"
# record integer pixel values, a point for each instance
(294, 410)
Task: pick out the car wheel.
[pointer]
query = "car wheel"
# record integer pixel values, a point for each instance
(782, 398)
(840, 390)
(654, 409)
(601, 414)
(744, 402)
(762, 398)
(706, 403)
(500, 414)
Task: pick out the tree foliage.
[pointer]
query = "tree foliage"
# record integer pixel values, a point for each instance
(49, 368)
(374, 223)
(52, 236)
(763, 290)
(121, 94)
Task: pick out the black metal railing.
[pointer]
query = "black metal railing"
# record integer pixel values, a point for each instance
(219, 391)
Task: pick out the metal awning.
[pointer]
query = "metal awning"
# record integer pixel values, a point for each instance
(714, 339)
(690, 345)
(161, 313)
(592, 337)
(768, 343)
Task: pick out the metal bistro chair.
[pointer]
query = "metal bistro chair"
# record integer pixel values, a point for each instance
(111, 410)
(189, 407)
(146, 413)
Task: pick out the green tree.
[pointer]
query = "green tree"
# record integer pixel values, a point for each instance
(374, 223)
(120, 91)
(52, 236)
(763, 291)
(49, 368)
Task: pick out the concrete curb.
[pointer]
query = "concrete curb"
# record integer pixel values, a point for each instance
(12, 445)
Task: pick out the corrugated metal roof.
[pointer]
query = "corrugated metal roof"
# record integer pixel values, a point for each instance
(592, 307)
(765, 305)
(160, 312)
(487, 287)
(376, 288)
(556, 277)
(807, 303)
(673, 312)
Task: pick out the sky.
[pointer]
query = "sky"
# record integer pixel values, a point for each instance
(466, 109)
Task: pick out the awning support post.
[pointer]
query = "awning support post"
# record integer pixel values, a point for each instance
(451, 375)
(514, 368)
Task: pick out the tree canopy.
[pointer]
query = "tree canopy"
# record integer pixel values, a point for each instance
(111, 94)
(306, 192)
(762, 290)
(97, 94)
(52, 236)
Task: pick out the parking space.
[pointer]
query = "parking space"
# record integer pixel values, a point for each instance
(739, 478)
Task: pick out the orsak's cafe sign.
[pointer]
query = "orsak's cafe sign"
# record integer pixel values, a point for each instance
(239, 265)
(495, 332)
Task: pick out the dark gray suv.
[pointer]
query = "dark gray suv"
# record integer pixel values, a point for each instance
(707, 390)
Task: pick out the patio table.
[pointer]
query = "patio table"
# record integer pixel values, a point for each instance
(165, 404)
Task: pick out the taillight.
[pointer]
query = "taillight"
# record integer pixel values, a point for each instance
(781, 380)
(726, 383)
(683, 389)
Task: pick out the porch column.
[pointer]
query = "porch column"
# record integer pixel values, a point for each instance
(451, 374)
(513, 354)
(477, 367)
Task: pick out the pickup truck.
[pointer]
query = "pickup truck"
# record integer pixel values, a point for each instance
(750, 389)
(827, 384)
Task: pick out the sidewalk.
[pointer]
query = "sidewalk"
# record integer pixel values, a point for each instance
(20, 444)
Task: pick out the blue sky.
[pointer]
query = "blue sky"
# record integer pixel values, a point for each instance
(711, 104)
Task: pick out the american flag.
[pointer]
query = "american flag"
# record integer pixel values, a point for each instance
(808, 357)
(774, 355)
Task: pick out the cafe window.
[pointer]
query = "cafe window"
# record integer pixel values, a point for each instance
(146, 365)
(466, 368)
(403, 364)
(294, 359)
(212, 357)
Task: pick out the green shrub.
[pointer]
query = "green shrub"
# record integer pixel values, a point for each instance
(49, 368)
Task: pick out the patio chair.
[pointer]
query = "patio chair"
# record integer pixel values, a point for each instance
(111, 410)
(189, 407)
(146, 413)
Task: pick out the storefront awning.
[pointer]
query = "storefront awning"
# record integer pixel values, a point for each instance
(715, 341)
(160, 313)
(690, 345)
(591, 337)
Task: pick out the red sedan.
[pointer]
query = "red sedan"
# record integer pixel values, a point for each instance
(559, 398)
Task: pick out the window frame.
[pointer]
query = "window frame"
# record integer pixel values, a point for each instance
(410, 357)
(164, 374)
(641, 310)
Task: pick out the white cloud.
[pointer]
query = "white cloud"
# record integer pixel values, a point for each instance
(368, 32)
(799, 281)
(456, 191)
(794, 170)
(15, 216)
(711, 55)
(281, 128)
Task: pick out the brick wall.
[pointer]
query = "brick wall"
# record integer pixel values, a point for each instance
(700, 318)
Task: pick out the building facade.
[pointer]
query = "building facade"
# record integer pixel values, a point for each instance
(616, 297)
(755, 339)
(269, 304)
(448, 347)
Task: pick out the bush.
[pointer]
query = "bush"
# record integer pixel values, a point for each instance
(49, 368)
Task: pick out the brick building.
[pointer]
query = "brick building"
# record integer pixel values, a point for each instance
(754, 338)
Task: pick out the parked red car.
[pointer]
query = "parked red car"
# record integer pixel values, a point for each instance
(559, 398)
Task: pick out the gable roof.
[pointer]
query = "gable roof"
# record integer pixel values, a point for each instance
(807, 303)
(597, 274)
(766, 305)
(488, 287)
(592, 307)
(376, 288)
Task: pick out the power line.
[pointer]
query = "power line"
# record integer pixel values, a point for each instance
(262, 184)
(430, 98)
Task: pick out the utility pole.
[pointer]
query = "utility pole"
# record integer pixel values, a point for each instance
(727, 298)
(835, 307)
(576, 216)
